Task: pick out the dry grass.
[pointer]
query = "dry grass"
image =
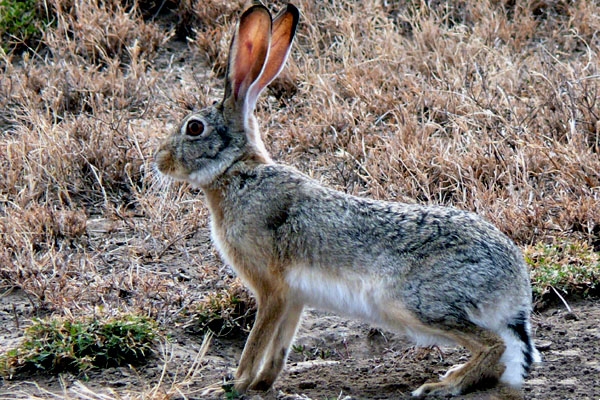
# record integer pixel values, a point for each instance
(470, 114)
(174, 382)
(490, 106)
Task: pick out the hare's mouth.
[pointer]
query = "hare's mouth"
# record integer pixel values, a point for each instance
(168, 165)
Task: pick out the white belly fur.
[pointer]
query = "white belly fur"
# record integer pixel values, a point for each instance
(352, 296)
(364, 298)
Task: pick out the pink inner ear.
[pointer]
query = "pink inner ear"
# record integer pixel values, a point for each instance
(282, 35)
(249, 51)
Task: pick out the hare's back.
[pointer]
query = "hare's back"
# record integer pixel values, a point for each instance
(312, 224)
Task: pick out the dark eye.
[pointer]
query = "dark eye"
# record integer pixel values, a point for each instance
(194, 128)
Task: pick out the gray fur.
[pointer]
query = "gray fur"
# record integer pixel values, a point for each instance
(443, 263)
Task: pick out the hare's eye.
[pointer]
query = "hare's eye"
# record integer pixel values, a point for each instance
(194, 128)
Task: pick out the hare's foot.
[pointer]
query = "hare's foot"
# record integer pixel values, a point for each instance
(483, 368)
(459, 379)
(266, 378)
(242, 384)
(452, 370)
(262, 385)
(437, 388)
(270, 372)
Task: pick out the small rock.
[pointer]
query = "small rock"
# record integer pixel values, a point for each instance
(543, 345)
(571, 317)
(307, 385)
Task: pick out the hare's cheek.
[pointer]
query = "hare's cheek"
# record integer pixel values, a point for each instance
(211, 147)
(212, 150)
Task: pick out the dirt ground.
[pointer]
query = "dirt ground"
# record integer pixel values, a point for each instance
(332, 358)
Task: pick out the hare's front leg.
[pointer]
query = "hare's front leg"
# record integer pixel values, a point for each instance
(278, 350)
(271, 307)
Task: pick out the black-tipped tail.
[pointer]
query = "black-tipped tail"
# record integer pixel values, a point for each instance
(520, 327)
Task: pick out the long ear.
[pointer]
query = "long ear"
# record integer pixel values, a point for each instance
(282, 37)
(247, 54)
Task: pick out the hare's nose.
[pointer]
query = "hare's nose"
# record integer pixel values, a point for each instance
(163, 159)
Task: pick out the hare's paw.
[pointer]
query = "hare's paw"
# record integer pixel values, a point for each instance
(262, 385)
(451, 371)
(265, 380)
(242, 384)
(438, 388)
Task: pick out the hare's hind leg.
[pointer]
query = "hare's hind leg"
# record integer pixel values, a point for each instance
(279, 348)
(486, 349)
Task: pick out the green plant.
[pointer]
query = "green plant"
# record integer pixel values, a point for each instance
(56, 345)
(569, 266)
(20, 23)
(230, 392)
(225, 313)
(313, 352)
(298, 348)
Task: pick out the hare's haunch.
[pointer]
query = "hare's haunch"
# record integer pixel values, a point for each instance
(436, 274)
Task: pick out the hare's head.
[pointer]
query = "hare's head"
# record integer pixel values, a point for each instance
(208, 142)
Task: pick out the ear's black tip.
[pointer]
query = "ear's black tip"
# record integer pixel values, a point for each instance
(292, 8)
(294, 12)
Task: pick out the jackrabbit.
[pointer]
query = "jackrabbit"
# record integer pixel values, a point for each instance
(435, 274)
